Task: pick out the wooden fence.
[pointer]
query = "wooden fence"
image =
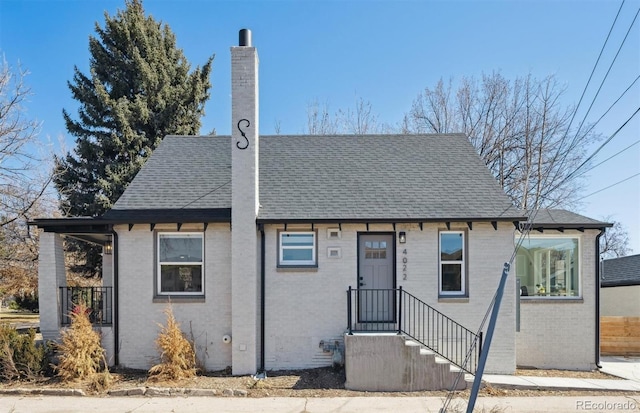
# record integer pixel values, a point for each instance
(620, 336)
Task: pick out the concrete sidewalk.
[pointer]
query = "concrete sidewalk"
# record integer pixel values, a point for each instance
(627, 368)
(53, 404)
(560, 383)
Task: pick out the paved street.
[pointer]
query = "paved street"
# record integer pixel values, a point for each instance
(57, 404)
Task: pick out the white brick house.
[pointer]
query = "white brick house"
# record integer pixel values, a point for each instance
(256, 240)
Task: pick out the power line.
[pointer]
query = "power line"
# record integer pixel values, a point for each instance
(612, 105)
(594, 69)
(561, 158)
(573, 174)
(203, 195)
(610, 186)
(607, 74)
(612, 156)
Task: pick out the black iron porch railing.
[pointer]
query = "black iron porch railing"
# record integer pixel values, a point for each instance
(97, 300)
(395, 310)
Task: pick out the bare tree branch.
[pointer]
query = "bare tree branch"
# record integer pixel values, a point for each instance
(518, 128)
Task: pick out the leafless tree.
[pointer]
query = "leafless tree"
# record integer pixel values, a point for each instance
(21, 176)
(519, 128)
(319, 120)
(615, 241)
(359, 120)
(24, 179)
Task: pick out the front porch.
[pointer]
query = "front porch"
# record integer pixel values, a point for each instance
(57, 300)
(397, 342)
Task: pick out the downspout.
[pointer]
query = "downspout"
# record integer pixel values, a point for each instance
(262, 300)
(116, 324)
(597, 352)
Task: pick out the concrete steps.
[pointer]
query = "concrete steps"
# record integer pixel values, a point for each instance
(393, 363)
(440, 370)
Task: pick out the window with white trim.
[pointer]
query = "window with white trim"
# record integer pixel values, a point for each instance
(180, 263)
(452, 266)
(549, 267)
(297, 248)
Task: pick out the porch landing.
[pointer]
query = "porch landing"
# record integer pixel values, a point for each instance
(390, 362)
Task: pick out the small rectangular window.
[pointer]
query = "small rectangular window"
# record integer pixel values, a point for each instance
(452, 266)
(297, 248)
(180, 264)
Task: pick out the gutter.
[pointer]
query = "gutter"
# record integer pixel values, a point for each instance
(262, 301)
(597, 320)
(116, 323)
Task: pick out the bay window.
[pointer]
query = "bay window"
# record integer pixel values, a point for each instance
(549, 267)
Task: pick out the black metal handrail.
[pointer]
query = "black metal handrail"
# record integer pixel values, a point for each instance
(97, 300)
(395, 310)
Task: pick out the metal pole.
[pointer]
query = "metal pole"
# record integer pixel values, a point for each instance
(487, 345)
(349, 312)
(400, 310)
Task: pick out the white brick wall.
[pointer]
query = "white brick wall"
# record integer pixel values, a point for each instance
(487, 251)
(306, 306)
(561, 333)
(244, 209)
(51, 276)
(140, 315)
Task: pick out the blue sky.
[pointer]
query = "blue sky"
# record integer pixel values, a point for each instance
(383, 51)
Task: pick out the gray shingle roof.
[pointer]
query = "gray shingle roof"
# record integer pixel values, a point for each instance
(376, 177)
(621, 271)
(184, 172)
(560, 218)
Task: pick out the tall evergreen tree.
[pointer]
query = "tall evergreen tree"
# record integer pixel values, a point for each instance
(139, 89)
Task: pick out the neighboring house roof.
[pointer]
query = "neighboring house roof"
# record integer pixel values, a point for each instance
(621, 271)
(562, 219)
(331, 178)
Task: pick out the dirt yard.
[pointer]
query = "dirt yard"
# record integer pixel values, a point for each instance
(323, 382)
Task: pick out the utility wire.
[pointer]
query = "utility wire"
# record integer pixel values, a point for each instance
(593, 70)
(612, 105)
(607, 74)
(575, 172)
(612, 156)
(610, 186)
(561, 159)
(202, 196)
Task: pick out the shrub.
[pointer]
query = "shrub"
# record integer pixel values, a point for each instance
(81, 355)
(177, 353)
(28, 302)
(20, 357)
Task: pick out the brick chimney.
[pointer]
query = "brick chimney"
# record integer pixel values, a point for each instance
(244, 206)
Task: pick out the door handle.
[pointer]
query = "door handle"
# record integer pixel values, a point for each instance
(362, 284)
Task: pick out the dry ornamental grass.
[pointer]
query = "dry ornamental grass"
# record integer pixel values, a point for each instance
(177, 354)
(81, 356)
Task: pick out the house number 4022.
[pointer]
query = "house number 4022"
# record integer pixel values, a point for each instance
(404, 264)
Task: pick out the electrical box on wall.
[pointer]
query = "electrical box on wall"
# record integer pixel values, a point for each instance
(334, 233)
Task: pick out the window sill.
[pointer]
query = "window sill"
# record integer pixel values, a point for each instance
(179, 299)
(299, 268)
(453, 299)
(557, 300)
